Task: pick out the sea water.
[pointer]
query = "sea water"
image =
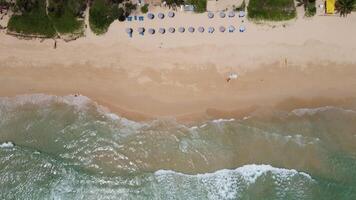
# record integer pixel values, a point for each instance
(72, 148)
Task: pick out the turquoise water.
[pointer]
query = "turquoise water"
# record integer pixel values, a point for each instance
(71, 148)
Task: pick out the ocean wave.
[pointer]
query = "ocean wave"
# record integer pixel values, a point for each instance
(312, 111)
(250, 173)
(235, 183)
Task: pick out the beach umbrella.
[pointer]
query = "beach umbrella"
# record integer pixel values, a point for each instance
(191, 29)
(151, 31)
(242, 14)
(210, 15)
(201, 29)
(242, 28)
(211, 30)
(150, 16)
(141, 30)
(181, 29)
(162, 30)
(160, 15)
(222, 29)
(231, 29)
(129, 31)
(171, 14)
(172, 30)
(231, 14)
(222, 14)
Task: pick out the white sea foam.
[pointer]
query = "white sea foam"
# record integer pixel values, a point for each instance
(7, 145)
(223, 120)
(249, 173)
(312, 111)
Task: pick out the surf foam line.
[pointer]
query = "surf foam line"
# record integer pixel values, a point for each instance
(312, 111)
(249, 173)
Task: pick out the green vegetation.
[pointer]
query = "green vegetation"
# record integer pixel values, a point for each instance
(309, 7)
(144, 9)
(32, 19)
(4, 3)
(242, 7)
(64, 14)
(174, 3)
(199, 5)
(274, 10)
(345, 7)
(104, 12)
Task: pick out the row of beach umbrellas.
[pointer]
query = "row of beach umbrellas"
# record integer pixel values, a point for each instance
(223, 14)
(171, 14)
(201, 29)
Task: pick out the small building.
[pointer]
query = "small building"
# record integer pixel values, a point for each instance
(330, 6)
(187, 8)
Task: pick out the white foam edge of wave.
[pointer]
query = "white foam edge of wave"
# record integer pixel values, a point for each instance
(312, 111)
(215, 121)
(7, 145)
(250, 172)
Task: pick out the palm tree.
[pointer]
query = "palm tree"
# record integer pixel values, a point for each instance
(344, 7)
(303, 3)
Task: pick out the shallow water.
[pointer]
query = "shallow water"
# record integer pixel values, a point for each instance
(71, 148)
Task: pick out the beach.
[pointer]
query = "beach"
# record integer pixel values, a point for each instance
(264, 114)
(183, 75)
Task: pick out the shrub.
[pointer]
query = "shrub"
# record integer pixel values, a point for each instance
(310, 9)
(100, 16)
(144, 9)
(33, 20)
(199, 5)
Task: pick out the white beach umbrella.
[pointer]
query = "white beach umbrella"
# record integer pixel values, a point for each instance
(211, 30)
(231, 28)
(162, 30)
(141, 30)
(231, 14)
(242, 28)
(191, 29)
(242, 14)
(150, 16)
(160, 15)
(222, 29)
(129, 31)
(181, 29)
(222, 14)
(171, 14)
(151, 31)
(201, 29)
(172, 30)
(210, 15)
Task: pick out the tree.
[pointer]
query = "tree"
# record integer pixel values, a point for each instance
(309, 7)
(344, 7)
(144, 9)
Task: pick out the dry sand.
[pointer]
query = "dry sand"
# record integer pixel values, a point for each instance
(312, 61)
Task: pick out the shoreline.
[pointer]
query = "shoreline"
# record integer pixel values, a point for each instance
(184, 75)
